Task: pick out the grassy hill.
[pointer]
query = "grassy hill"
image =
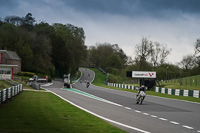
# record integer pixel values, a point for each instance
(189, 83)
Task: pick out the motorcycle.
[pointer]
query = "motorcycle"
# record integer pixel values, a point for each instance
(140, 97)
(87, 85)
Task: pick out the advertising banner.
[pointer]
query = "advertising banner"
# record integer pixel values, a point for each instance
(143, 74)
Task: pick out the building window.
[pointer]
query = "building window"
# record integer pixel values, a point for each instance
(1, 71)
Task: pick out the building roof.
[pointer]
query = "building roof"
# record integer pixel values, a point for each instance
(12, 55)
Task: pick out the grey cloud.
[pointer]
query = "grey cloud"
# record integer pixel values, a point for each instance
(154, 8)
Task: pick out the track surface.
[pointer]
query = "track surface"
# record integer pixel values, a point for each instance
(156, 115)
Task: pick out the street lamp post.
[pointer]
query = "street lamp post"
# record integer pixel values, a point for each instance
(166, 74)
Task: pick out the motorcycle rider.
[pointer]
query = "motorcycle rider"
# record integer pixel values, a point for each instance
(142, 88)
(87, 84)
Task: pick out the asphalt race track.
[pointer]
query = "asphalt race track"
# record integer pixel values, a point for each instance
(155, 115)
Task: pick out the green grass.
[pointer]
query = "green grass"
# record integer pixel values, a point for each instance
(99, 77)
(177, 86)
(23, 78)
(99, 81)
(189, 83)
(43, 112)
(3, 85)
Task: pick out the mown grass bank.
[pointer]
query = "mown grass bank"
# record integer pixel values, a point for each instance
(186, 83)
(3, 84)
(100, 78)
(43, 112)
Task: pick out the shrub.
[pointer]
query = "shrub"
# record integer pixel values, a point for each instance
(27, 74)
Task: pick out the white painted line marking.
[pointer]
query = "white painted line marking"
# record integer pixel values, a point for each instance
(188, 127)
(163, 119)
(198, 131)
(173, 122)
(154, 116)
(145, 113)
(104, 118)
(128, 108)
(137, 111)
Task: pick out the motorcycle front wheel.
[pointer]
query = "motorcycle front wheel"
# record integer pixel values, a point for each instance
(141, 100)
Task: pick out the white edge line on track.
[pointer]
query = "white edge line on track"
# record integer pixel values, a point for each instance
(104, 118)
(188, 127)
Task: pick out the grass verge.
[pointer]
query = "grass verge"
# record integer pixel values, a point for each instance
(99, 81)
(3, 85)
(42, 112)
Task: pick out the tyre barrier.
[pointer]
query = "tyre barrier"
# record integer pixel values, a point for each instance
(8, 93)
(178, 92)
(123, 86)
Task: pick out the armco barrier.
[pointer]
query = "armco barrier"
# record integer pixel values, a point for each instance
(131, 87)
(178, 92)
(10, 92)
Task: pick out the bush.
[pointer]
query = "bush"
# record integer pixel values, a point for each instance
(27, 74)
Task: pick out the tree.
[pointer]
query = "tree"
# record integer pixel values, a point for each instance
(120, 53)
(197, 45)
(159, 52)
(168, 71)
(98, 54)
(113, 61)
(71, 46)
(148, 51)
(27, 22)
(9, 36)
(197, 51)
(15, 20)
(143, 51)
(164, 53)
(187, 62)
(44, 48)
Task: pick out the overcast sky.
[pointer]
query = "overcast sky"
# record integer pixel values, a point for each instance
(123, 22)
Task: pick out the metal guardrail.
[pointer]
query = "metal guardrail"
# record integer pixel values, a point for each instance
(10, 92)
(35, 85)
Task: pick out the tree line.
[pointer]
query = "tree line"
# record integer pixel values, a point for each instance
(46, 49)
(148, 56)
(60, 48)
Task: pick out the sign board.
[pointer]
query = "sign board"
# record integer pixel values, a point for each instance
(143, 74)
